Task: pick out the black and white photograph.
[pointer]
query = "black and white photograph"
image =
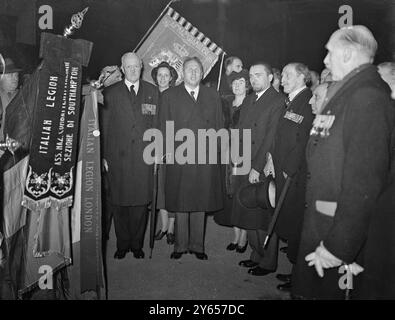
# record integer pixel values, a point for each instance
(197, 158)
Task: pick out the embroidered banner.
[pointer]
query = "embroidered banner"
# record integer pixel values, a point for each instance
(172, 40)
(53, 152)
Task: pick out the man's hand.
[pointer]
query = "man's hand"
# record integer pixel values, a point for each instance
(254, 176)
(269, 167)
(322, 259)
(105, 165)
(355, 268)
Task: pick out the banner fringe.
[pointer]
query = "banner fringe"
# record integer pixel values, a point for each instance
(46, 203)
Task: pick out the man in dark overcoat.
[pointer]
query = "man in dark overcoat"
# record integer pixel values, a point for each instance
(130, 109)
(289, 160)
(260, 115)
(192, 187)
(348, 160)
(377, 281)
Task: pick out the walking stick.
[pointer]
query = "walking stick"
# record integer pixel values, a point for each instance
(277, 211)
(349, 282)
(153, 209)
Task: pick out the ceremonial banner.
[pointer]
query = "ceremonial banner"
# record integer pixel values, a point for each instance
(33, 239)
(50, 177)
(172, 40)
(90, 227)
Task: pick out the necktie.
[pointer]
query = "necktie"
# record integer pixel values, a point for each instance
(132, 92)
(287, 101)
(193, 95)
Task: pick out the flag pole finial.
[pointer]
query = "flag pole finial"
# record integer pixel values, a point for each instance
(76, 22)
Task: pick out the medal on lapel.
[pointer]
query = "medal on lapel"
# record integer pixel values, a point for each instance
(321, 125)
(148, 108)
(290, 115)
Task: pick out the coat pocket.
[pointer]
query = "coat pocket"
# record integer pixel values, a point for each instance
(327, 208)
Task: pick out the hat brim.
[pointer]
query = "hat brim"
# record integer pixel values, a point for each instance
(10, 70)
(258, 195)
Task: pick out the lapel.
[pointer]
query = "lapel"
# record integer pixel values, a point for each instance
(351, 82)
(295, 103)
(195, 108)
(127, 101)
(262, 103)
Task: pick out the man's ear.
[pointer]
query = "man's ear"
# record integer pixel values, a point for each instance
(347, 54)
(122, 69)
(270, 78)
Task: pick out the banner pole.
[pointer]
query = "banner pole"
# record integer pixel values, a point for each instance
(153, 25)
(220, 71)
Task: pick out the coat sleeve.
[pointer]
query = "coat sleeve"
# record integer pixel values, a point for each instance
(366, 139)
(293, 159)
(259, 161)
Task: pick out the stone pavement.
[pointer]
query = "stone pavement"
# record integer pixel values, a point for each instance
(220, 277)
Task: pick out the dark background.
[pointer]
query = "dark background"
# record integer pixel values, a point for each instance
(276, 31)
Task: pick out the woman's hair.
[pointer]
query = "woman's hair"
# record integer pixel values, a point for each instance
(243, 74)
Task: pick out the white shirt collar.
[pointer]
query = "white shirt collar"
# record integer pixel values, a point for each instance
(294, 93)
(260, 93)
(136, 85)
(195, 91)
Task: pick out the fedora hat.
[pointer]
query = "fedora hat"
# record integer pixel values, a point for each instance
(164, 64)
(8, 67)
(261, 194)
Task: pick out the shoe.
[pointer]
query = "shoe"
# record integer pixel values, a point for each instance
(248, 263)
(231, 246)
(177, 255)
(258, 271)
(170, 238)
(284, 277)
(199, 255)
(120, 254)
(138, 254)
(242, 249)
(284, 249)
(160, 235)
(287, 286)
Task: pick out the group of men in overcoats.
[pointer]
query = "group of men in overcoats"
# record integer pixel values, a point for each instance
(191, 189)
(337, 164)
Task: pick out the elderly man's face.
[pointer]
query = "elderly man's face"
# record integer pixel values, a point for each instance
(9, 81)
(291, 80)
(237, 65)
(334, 59)
(317, 100)
(131, 67)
